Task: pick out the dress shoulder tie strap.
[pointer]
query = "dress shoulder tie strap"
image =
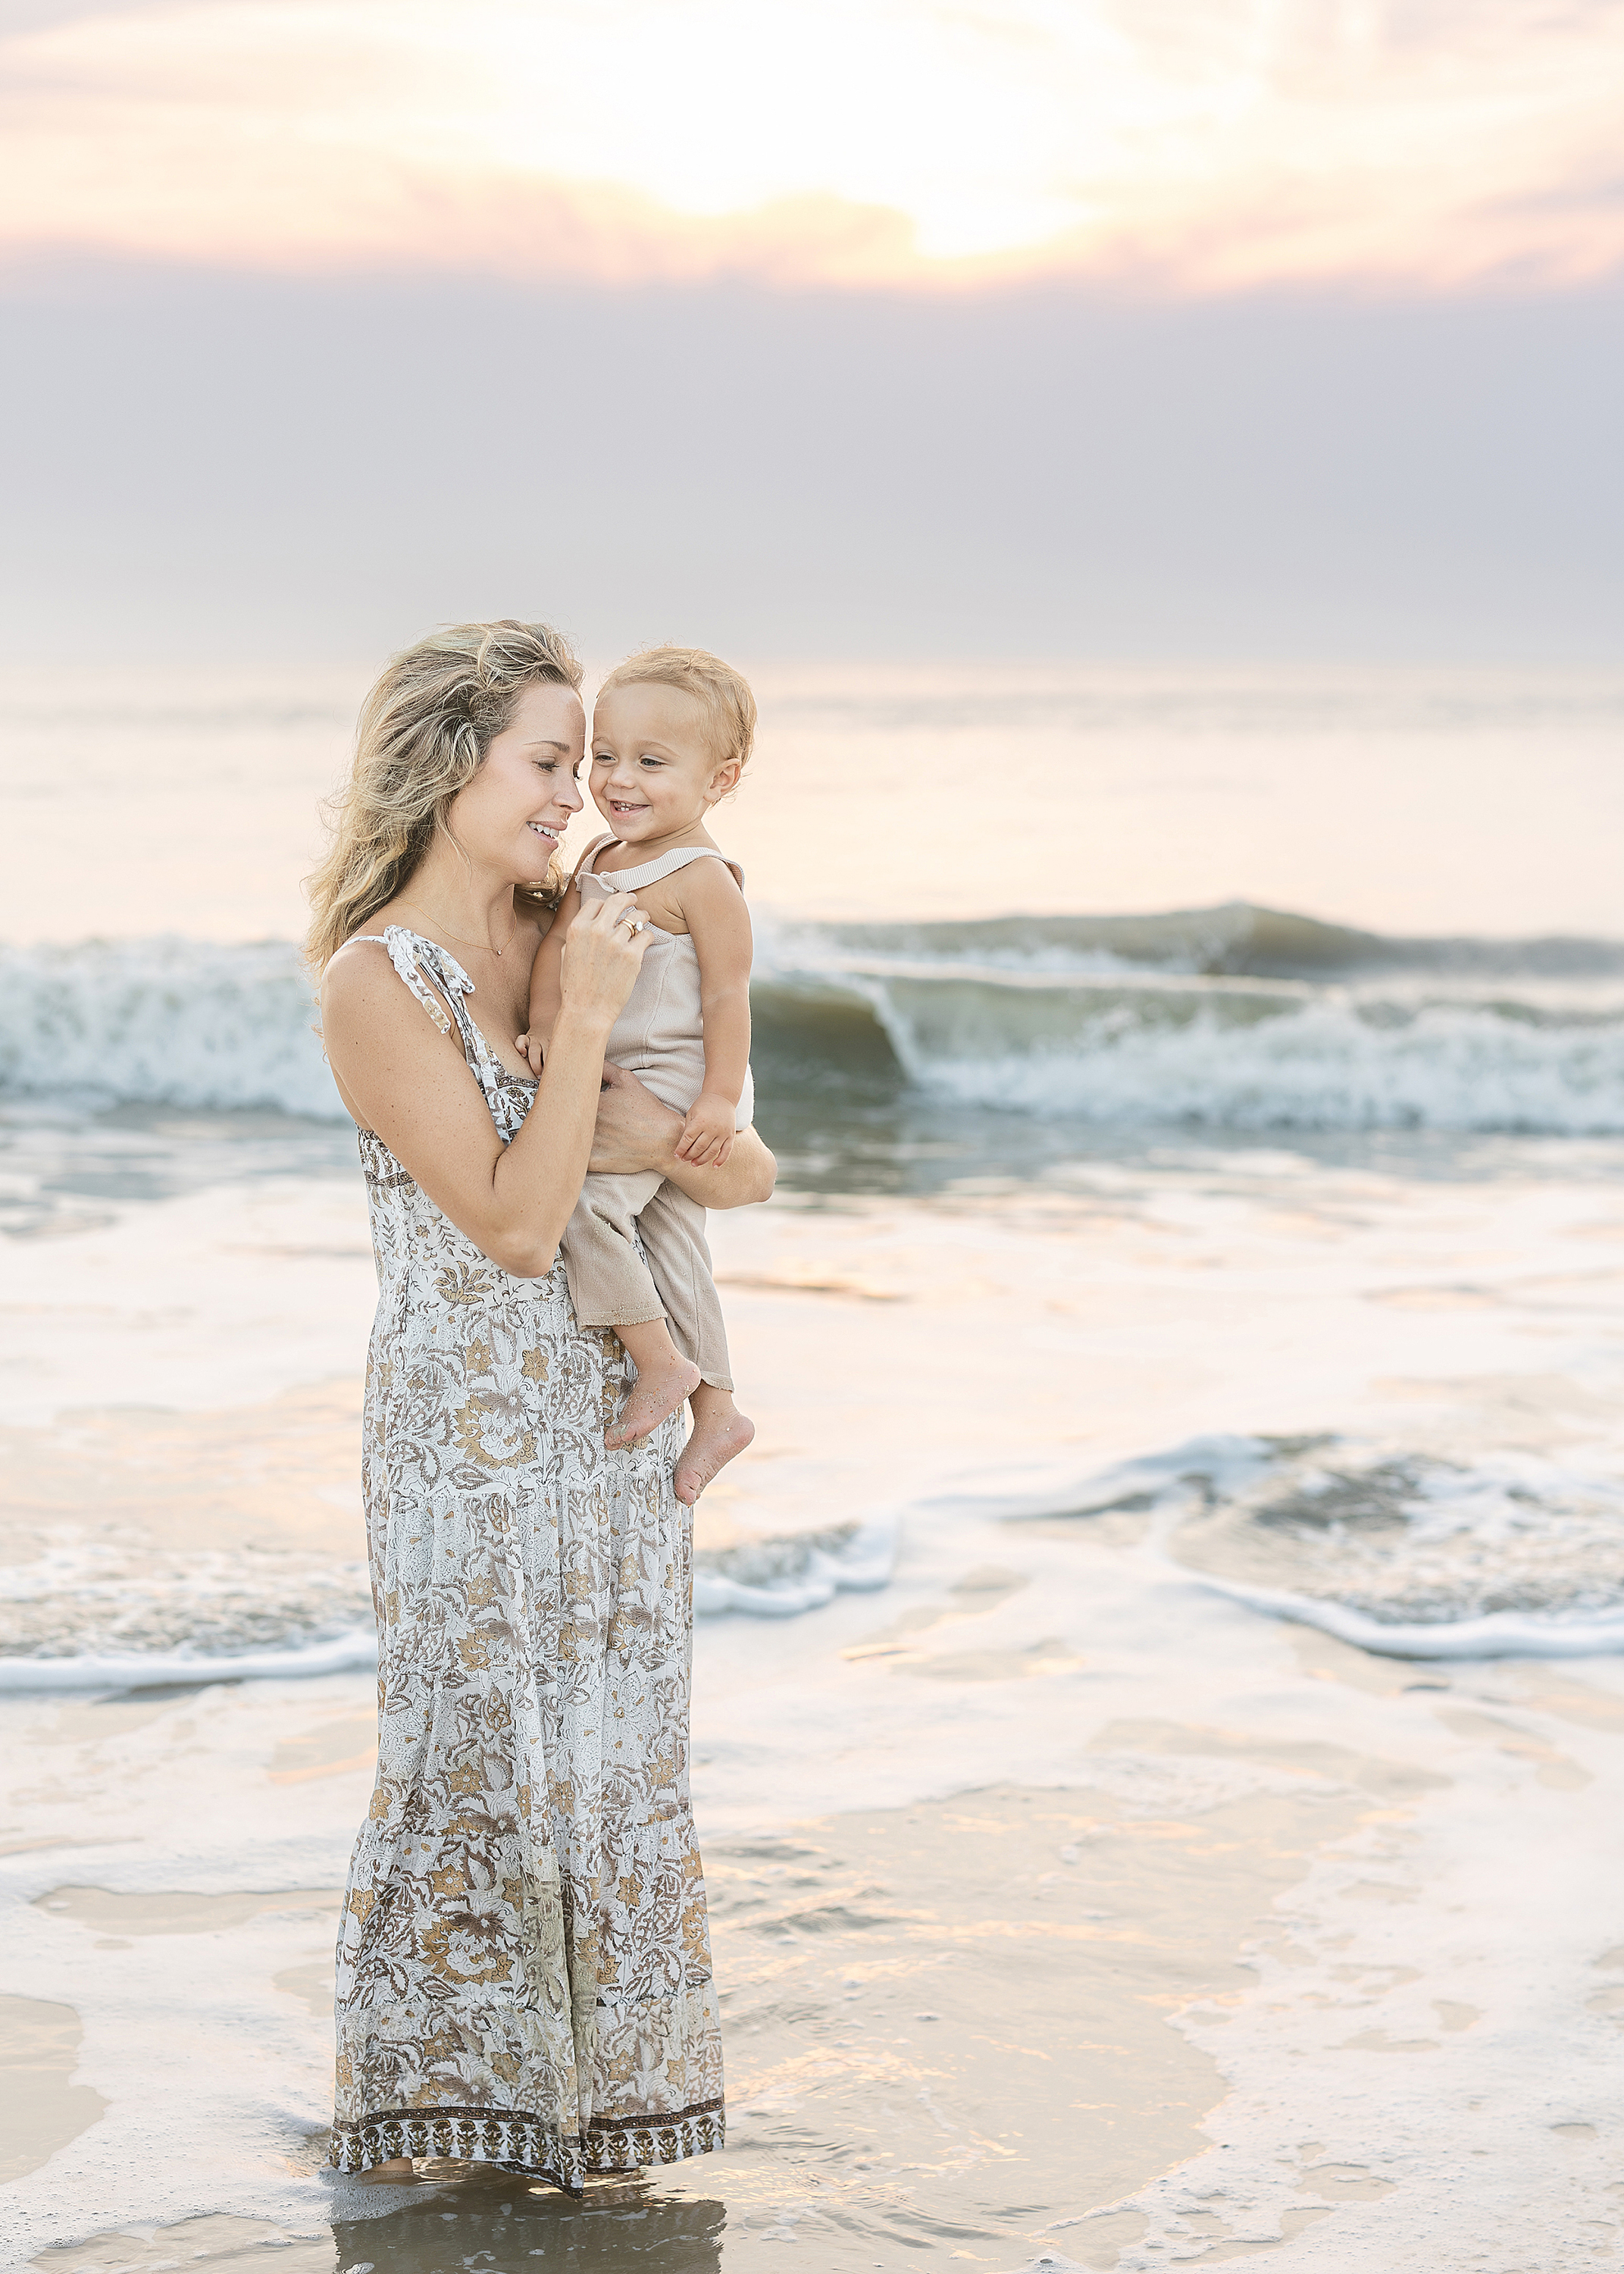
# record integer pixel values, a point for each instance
(418, 961)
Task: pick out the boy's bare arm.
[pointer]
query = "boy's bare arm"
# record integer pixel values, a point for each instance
(718, 924)
(547, 983)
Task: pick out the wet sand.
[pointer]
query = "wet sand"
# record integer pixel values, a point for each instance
(1244, 1979)
(933, 2014)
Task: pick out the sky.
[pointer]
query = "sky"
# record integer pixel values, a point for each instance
(1195, 330)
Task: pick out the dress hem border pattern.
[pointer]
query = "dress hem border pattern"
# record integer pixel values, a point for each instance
(524, 2143)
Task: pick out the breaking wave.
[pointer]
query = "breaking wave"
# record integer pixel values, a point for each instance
(1234, 1017)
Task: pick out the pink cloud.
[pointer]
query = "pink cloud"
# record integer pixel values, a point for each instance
(317, 137)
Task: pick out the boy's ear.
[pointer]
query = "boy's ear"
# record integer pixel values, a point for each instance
(724, 777)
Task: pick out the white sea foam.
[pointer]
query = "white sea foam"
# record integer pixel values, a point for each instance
(163, 1021)
(770, 1579)
(777, 1579)
(1402, 1554)
(1502, 1634)
(164, 1669)
(1180, 1019)
(1316, 1065)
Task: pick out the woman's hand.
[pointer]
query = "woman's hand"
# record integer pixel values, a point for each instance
(636, 1132)
(602, 956)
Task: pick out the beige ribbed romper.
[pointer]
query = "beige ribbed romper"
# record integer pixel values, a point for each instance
(660, 1036)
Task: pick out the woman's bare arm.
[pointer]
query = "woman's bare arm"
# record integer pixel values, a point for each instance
(634, 1132)
(400, 1076)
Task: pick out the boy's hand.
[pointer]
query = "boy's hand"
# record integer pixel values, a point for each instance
(708, 1132)
(529, 1047)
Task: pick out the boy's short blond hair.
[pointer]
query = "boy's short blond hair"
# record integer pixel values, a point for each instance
(722, 692)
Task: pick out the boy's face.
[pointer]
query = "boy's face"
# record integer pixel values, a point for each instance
(654, 769)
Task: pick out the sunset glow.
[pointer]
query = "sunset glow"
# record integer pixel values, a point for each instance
(889, 141)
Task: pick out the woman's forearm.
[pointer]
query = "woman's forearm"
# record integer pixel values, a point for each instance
(637, 1133)
(537, 1180)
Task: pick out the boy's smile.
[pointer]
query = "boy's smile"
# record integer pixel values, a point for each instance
(654, 774)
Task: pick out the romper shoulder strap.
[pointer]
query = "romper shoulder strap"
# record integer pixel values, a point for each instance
(655, 872)
(670, 863)
(583, 866)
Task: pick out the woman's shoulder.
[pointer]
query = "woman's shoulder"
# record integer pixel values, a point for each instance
(370, 964)
(375, 991)
(361, 952)
(359, 974)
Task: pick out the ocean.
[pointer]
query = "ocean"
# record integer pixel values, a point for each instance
(1184, 1345)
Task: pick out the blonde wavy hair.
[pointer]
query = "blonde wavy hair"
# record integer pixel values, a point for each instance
(423, 732)
(722, 693)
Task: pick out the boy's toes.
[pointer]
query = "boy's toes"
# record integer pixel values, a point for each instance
(652, 1399)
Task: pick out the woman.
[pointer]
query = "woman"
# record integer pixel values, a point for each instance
(523, 1967)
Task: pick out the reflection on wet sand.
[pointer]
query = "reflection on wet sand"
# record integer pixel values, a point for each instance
(40, 2108)
(946, 2029)
(947, 2024)
(487, 2221)
(473, 2218)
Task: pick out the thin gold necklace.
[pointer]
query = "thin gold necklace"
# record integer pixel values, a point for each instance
(490, 947)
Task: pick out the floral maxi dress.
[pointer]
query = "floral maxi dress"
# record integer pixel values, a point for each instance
(523, 1961)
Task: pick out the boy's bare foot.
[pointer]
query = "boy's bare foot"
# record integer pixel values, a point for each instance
(665, 1378)
(719, 1432)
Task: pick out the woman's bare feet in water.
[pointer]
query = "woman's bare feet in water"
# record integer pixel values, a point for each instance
(719, 1432)
(397, 2171)
(665, 1378)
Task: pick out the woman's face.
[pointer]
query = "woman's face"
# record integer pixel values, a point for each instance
(512, 814)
